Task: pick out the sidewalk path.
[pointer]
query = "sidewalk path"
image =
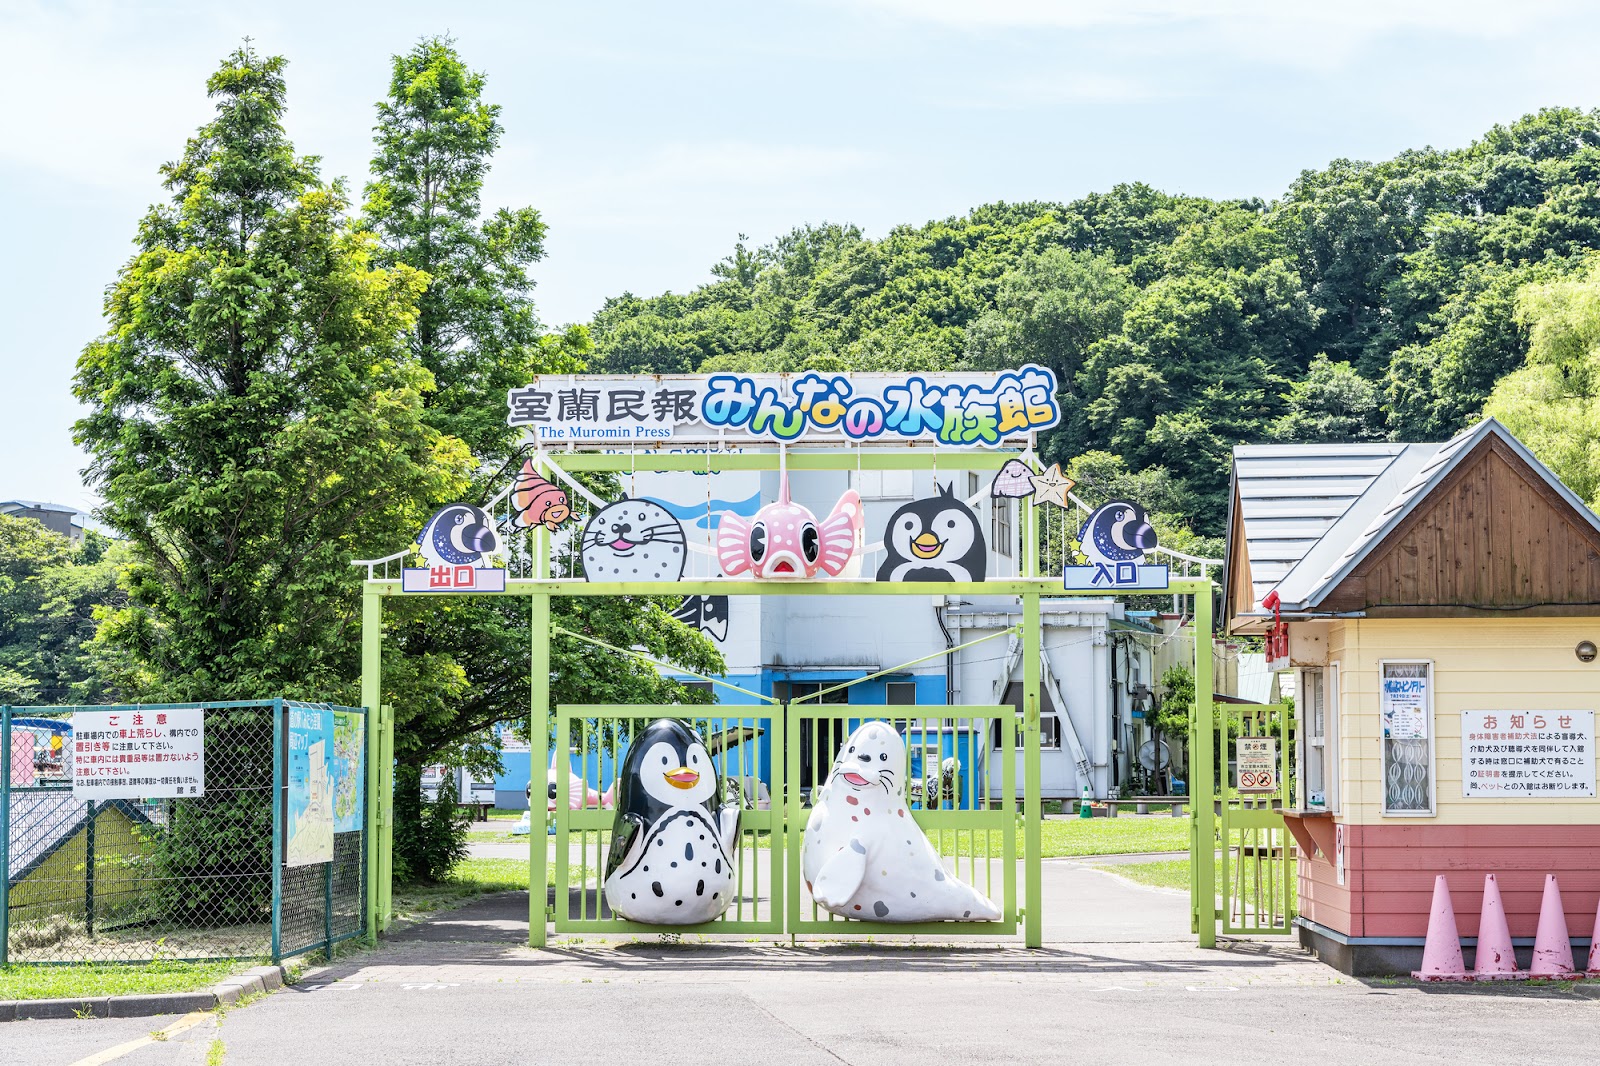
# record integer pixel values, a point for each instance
(460, 990)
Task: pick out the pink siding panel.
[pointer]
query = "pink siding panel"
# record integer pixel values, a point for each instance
(1389, 872)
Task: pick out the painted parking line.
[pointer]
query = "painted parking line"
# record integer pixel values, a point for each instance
(111, 1054)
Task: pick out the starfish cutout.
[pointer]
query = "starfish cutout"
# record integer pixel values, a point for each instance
(1052, 486)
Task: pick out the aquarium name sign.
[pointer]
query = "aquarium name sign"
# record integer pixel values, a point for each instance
(954, 410)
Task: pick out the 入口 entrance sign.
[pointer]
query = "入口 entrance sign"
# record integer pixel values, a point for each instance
(1257, 764)
(953, 410)
(138, 754)
(1536, 754)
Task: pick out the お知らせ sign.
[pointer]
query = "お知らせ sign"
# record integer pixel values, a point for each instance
(1535, 754)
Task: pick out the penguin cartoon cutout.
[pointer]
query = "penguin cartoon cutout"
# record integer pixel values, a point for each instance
(633, 540)
(458, 535)
(669, 846)
(937, 539)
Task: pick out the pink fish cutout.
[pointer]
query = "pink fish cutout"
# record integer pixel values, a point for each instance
(785, 541)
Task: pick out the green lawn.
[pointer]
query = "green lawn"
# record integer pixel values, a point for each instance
(1064, 837)
(471, 878)
(63, 982)
(1060, 838)
(1174, 873)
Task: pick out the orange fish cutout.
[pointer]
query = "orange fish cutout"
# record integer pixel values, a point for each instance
(537, 502)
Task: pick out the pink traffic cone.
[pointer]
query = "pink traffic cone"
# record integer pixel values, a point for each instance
(1594, 946)
(1496, 960)
(1441, 954)
(1552, 949)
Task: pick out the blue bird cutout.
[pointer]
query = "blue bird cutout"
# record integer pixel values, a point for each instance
(458, 535)
(1117, 532)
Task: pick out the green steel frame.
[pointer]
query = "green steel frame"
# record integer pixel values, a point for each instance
(539, 589)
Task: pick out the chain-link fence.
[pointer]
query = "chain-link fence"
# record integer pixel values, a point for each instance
(180, 831)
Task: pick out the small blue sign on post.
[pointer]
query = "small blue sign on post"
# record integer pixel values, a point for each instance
(1116, 577)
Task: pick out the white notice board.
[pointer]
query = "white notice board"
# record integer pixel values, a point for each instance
(1537, 754)
(1256, 768)
(138, 754)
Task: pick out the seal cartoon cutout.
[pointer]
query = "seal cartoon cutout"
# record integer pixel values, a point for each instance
(669, 845)
(633, 540)
(864, 857)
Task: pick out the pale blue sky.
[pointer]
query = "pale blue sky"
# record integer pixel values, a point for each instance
(651, 134)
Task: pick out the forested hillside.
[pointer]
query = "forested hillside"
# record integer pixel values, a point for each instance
(1372, 300)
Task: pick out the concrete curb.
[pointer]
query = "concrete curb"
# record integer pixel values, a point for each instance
(224, 993)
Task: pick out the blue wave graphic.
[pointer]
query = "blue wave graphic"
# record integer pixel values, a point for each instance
(707, 515)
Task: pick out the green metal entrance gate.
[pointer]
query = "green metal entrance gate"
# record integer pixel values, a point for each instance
(772, 760)
(947, 766)
(741, 747)
(1257, 874)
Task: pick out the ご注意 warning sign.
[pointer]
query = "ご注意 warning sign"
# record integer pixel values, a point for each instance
(138, 754)
(1257, 764)
(1538, 754)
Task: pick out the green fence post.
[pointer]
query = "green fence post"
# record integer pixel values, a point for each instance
(538, 741)
(371, 687)
(1203, 771)
(5, 836)
(327, 912)
(386, 829)
(1033, 924)
(277, 829)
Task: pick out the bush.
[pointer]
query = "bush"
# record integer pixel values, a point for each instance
(430, 838)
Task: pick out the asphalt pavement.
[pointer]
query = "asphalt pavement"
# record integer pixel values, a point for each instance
(1119, 981)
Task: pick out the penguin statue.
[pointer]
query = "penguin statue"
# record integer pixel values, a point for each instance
(458, 535)
(937, 539)
(669, 846)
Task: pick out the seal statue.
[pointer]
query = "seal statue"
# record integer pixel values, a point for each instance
(864, 856)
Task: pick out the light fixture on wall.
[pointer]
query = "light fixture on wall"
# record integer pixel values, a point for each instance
(1585, 651)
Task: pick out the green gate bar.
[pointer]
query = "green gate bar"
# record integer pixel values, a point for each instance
(371, 693)
(1202, 772)
(1255, 841)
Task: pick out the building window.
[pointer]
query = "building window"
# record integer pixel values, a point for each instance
(1000, 527)
(884, 484)
(1049, 722)
(1405, 715)
(698, 686)
(900, 693)
(1318, 729)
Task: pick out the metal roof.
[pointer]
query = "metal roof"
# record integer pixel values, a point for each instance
(1312, 512)
(1290, 495)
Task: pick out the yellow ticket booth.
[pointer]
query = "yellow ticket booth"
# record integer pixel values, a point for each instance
(1439, 606)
